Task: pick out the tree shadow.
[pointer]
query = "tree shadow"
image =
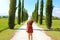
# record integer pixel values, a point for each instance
(4, 29)
(52, 29)
(19, 29)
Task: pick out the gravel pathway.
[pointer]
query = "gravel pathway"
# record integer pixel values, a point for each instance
(38, 33)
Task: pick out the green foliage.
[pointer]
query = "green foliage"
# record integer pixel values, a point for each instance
(22, 9)
(19, 12)
(37, 4)
(34, 15)
(41, 11)
(24, 12)
(35, 12)
(55, 18)
(0, 16)
(49, 8)
(43, 17)
(12, 10)
(3, 16)
(25, 15)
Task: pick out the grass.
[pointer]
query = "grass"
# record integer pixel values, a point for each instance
(3, 23)
(55, 25)
(5, 33)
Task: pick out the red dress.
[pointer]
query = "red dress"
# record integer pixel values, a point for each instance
(29, 28)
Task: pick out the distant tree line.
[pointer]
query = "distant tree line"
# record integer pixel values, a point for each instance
(3, 16)
(53, 18)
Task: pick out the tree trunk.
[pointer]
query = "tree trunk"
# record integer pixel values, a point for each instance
(12, 14)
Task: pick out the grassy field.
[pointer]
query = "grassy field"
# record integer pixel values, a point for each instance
(55, 33)
(5, 33)
(3, 23)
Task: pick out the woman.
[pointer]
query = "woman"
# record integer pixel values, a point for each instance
(29, 28)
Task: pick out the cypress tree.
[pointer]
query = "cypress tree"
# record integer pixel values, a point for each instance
(19, 12)
(49, 8)
(37, 10)
(12, 10)
(34, 15)
(41, 11)
(22, 9)
(25, 14)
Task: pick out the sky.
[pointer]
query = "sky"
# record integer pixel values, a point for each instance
(29, 5)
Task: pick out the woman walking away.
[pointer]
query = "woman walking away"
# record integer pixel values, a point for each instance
(30, 28)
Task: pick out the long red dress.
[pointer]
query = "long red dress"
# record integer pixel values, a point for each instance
(29, 28)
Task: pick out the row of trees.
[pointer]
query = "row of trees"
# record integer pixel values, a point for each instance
(53, 18)
(22, 13)
(49, 8)
(3, 16)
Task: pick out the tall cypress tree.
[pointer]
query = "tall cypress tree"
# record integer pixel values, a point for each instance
(34, 15)
(12, 10)
(19, 12)
(25, 14)
(22, 9)
(49, 8)
(37, 10)
(41, 11)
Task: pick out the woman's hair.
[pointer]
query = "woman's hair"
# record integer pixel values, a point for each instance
(31, 21)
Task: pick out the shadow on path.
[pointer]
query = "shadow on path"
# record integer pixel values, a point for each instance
(53, 29)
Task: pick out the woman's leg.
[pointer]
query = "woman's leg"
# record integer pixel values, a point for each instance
(31, 36)
(28, 36)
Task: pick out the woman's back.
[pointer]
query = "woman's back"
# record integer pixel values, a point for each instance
(29, 26)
